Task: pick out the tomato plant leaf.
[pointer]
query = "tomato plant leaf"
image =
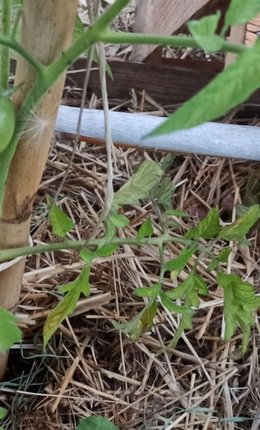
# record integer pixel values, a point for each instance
(60, 222)
(176, 265)
(172, 307)
(178, 213)
(239, 228)
(204, 30)
(139, 324)
(149, 292)
(139, 186)
(221, 258)
(9, 332)
(240, 304)
(67, 304)
(146, 229)
(119, 220)
(229, 89)
(241, 11)
(95, 423)
(208, 227)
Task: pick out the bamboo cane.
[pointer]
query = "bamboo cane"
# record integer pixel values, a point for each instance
(47, 29)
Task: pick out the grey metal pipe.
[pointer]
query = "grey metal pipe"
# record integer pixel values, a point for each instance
(129, 129)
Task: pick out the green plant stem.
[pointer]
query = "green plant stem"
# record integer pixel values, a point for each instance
(5, 56)
(15, 46)
(153, 39)
(9, 254)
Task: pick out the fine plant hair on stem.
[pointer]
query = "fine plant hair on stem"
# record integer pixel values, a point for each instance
(35, 128)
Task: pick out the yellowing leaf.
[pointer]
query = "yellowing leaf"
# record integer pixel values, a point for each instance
(238, 229)
(67, 304)
(139, 185)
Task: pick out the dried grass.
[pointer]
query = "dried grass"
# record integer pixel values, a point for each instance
(89, 367)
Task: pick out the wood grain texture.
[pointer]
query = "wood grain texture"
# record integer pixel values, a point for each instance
(162, 17)
(169, 84)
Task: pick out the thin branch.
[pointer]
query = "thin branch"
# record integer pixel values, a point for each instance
(15, 46)
(5, 56)
(158, 39)
(9, 254)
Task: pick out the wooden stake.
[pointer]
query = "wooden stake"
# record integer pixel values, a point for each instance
(47, 29)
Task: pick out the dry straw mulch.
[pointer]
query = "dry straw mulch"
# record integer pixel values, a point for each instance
(89, 367)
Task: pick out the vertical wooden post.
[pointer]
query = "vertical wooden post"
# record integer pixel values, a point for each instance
(237, 35)
(47, 29)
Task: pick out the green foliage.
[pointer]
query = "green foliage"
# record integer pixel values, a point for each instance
(208, 228)
(7, 121)
(238, 229)
(95, 423)
(60, 222)
(9, 333)
(229, 89)
(241, 11)
(146, 229)
(139, 186)
(221, 258)
(142, 322)
(67, 305)
(176, 265)
(119, 220)
(240, 303)
(204, 30)
(3, 412)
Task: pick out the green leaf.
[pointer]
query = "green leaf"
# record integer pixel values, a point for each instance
(204, 30)
(238, 229)
(190, 290)
(221, 258)
(208, 227)
(87, 255)
(9, 333)
(106, 250)
(240, 304)
(142, 322)
(162, 193)
(95, 423)
(139, 186)
(149, 292)
(241, 11)
(178, 213)
(67, 304)
(3, 412)
(119, 220)
(199, 284)
(229, 89)
(176, 265)
(172, 307)
(60, 222)
(146, 229)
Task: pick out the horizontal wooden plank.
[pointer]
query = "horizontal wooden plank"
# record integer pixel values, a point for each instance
(168, 84)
